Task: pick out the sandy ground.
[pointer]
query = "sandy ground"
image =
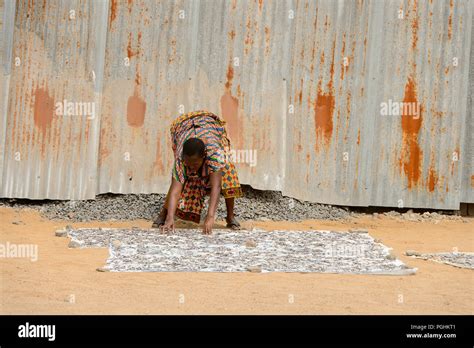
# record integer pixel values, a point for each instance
(65, 281)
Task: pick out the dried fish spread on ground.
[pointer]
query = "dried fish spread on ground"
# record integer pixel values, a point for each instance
(457, 259)
(187, 250)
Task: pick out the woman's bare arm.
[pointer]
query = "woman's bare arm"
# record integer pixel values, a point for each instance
(173, 198)
(215, 180)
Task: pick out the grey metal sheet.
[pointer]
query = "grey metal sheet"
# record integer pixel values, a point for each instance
(145, 62)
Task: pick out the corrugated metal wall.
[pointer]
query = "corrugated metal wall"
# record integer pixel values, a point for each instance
(300, 82)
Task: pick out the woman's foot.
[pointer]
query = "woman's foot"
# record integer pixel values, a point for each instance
(160, 220)
(232, 223)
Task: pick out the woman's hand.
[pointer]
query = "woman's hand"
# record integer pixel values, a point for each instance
(168, 226)
(208, 223)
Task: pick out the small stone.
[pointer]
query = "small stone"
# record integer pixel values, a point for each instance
(254, 269)
(70, 215)
(74, 244)
(358, 230)
(69, 227)
(410, 211)
(16, 222)
(70, 299)
(377, 240)
(412, 253)
(61, 233)
(102, 269)
(391, 257)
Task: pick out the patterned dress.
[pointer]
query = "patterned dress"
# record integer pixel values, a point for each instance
(211, 130)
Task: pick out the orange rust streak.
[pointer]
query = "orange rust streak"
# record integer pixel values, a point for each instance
(113, 11)
(414, 25)
(432, 180)
(230, 76)
(450, 20)
(136, 108)
(323, 112)
(331, 70)
(130, 52)
(472, 180)
(43, 109)
(230, 113)
(411, 152)
(343, 68)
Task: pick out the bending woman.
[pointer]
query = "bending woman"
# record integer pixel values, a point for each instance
(201, 166)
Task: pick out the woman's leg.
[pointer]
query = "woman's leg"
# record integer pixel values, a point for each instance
(229, 203)
(231, 220)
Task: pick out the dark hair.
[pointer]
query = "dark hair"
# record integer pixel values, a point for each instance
(194, 146)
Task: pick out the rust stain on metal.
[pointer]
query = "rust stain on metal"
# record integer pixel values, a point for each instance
(230, 113)
(326, 23)
(358, 137)
(472, 180)
(348, 106)
(230, 106)
(136, 108)
(414, 26)
(450, 20)
(43, 109)
(432, 179)
(411, 153)
(130, 51)
(267, 40)
(113, 11)
(343, 66)
(260, 4)
(324, 108)
(232, 34)
(230, 77)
